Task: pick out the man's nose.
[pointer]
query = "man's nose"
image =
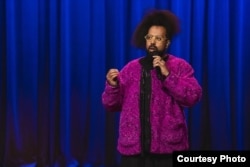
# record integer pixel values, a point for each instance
(152, 41)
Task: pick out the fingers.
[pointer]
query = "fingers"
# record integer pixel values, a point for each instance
(114, 70)
(158, 61)
(112, 73)
(112, 76)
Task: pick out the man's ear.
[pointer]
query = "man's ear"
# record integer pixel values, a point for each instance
(168, 43)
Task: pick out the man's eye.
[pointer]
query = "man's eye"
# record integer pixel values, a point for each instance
(158, 38)
(149, 37)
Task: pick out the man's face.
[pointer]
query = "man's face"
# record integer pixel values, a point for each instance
(156, 39)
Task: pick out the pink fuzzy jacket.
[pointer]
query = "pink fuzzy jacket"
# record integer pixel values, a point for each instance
(168, 99)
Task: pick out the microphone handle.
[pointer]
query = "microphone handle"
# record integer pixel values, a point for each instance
(158, 72)
(157, 68)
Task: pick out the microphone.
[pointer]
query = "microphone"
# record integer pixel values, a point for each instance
(158, 72)
(157, 68)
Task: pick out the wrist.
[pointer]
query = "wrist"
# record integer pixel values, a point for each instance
(166, 73)
(113, 84)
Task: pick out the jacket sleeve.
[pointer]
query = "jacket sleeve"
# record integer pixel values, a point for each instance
(183, 86)
(112, 98)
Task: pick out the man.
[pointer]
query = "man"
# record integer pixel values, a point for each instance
(151, 93)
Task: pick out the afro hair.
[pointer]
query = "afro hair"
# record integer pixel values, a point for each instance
(155, 17)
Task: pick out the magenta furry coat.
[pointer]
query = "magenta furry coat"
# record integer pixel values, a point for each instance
(168, 100)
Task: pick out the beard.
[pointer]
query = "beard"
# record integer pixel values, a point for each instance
(152, 50)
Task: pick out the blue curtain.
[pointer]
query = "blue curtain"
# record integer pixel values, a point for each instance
(54, 55)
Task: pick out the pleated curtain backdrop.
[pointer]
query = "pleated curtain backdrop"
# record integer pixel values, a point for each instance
(54, 55)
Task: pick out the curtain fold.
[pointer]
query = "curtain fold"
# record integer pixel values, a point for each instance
(54, 55)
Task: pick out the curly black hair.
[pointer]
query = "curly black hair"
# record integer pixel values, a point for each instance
(155, 17)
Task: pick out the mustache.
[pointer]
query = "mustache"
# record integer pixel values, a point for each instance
(153, 47)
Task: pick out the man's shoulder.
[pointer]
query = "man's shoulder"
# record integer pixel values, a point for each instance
(133, 62)
(175, 59)
(132, 66)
